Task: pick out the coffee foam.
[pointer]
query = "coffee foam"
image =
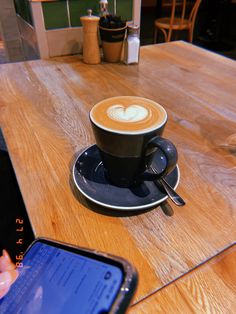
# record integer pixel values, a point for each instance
(128, 114)
(133, 113)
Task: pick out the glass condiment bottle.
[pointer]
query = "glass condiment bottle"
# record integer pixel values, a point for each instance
(132, 45)
(103, 8)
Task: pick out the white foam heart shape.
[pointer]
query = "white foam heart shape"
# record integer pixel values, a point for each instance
(133, 113)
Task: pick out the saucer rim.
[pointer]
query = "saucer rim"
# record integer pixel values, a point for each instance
(140, 207)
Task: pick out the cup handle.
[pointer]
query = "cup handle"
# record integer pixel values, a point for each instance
(171, 154)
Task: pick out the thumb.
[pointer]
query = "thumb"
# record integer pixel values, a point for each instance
(5, 280)
(5, 262)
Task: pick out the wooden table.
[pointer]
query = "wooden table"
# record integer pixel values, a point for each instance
(210, 288)
(44, 109)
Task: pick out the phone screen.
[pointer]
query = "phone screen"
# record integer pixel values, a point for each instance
(54, 280)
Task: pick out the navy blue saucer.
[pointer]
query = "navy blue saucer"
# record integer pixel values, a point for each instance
(89, 178)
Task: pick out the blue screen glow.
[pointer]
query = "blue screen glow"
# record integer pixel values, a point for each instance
(53, 280)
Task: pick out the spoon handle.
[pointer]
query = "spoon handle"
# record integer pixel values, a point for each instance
(176, 198)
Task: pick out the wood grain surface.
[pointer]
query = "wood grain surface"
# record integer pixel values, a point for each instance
(210, 288)
(44, 109)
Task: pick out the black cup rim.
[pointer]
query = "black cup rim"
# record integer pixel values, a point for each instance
(144, 131)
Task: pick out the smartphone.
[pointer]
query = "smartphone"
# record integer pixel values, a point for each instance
(55, 278)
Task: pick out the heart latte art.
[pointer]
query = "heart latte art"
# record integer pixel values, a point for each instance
(128, 114)
(133, 113)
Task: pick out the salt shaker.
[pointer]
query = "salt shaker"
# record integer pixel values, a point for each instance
(91, 52)
(132, 45)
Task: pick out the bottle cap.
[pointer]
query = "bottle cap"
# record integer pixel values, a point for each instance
(89, 17)
(133, 29)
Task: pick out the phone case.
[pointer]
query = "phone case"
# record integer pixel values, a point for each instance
(130, 281)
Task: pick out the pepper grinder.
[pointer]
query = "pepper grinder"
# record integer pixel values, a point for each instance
(91, 52)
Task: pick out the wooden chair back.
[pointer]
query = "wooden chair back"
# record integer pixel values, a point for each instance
(180, 12)
(183, 4)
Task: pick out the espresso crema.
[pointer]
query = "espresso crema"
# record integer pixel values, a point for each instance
(128, 114)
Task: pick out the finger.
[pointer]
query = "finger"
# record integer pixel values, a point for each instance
(14, 275)
(3, 292)
(5, 262)
(7, 278)
(6, 255)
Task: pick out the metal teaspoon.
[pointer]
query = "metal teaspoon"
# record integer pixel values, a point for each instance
(175, 197)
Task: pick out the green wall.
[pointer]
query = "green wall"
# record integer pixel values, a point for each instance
(56, 13)
(23, 9)
(125, 9)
